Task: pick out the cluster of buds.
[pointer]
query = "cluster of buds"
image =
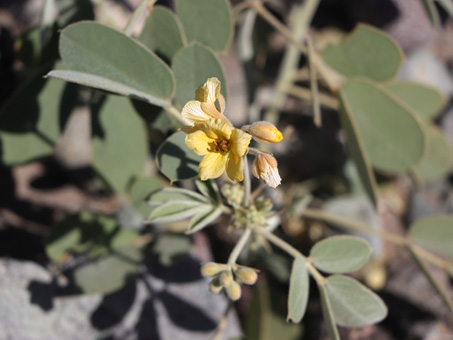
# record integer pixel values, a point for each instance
(229, 277)
(255, 215)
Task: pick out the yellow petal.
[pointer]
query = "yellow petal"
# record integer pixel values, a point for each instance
(240, 141)
(198, 142)
(210, 110)
(235, 168)
(212, 166)
(209, 91)
(218, 128)
(192, 113)
(222, 103)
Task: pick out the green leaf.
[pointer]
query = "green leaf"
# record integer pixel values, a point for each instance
(358, 153)
(434, 233)
(105, 84)
(392, 134)
(175, 211)
(433, 14)
(119, 142)
(171, 246)
(192, 66)
(209, 189)
(298, 291)
(327, 313)
(98, 50)
(426, 101)
(174, 194)
(31, 121)
(207, 21)
(109, 272)
(176, 160)
(204, 218)
(354, 305)
(367, 52)
(139, 192)
(436, 163)
(340, 254)
(163, 33)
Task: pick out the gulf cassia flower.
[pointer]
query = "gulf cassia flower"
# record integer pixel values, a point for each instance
(264, 132)
(204, 106)
(265, 169)
(222, 147)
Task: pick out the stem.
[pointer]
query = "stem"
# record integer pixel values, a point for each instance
(222, 323)
(396, 239)
(239, 246)
(283, 245)
(247, 182)
(174, 112)
(136, 15)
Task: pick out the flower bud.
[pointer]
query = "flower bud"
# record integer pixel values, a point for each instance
(264, 132)
(234, 291)
(215, 286)
(246, 275)
(226, 278)
(265, 168)
(211, 269)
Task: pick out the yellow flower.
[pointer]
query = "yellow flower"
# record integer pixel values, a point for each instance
(265, 168)
(264, 132)
(222, 147)
(204, 107)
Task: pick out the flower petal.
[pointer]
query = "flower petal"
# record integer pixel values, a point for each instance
(198, 142)
(210, 110)
(222, 103)
(218, 128)
(235, 168)
(240, 141)
(212, 166)
(209, 91)
(192, 113)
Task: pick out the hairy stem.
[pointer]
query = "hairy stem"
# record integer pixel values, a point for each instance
(239, 246)
(283, 245)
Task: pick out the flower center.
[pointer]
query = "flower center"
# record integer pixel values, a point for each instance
(220, 145)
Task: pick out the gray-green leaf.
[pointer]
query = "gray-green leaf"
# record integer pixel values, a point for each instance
(98, 50)
(207, 21)
(434, 233)
(367, 52)
(192, 66)
(392, 134)
(340, 254)
(175, 211)
(204, 218)
(176, 160)
(353, 305)
(298, 290)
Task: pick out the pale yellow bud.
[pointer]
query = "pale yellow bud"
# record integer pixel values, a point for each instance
(265, 168)
(264, 132)
(226, 278)
(234, 291)
(211, 269)
(246, 275)
(215, 286)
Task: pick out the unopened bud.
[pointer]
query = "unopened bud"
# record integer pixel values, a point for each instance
(211, 269)
(215, 286)
(265, 168)
(234, 291)
(264, 132)
(246, 275)
(226, 278)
